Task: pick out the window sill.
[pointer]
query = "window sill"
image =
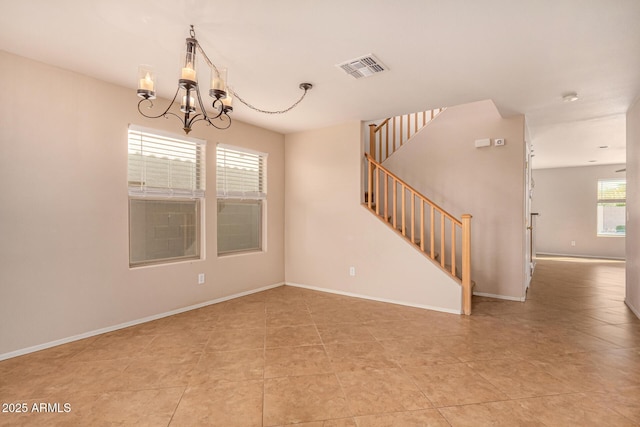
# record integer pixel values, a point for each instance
(165, 263)
(242, 253)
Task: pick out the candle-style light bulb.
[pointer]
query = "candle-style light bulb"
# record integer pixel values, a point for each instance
(191, 107)
(218, 83)
(188, 73)
(227, 102)
(146, 84)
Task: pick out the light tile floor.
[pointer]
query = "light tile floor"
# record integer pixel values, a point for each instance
(568, 356)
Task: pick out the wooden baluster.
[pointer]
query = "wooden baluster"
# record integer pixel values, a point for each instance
(386, 197)
(393, 148)
(408, 127)
(466, 264)
(401, 128)
(413, 221)
(442, 234)
(379, 145)
(404, 229)
(422, 225)
(395, 205)
(432, 233)
(431, 114)
(370, 184)
(415, 123)
(386, 140)
(453, 248)
(372, 141)
(377, 191)
(424, 118)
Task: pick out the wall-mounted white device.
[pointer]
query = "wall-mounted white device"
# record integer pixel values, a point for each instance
(486, 142)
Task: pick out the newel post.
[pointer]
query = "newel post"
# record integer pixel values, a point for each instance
(466, 264)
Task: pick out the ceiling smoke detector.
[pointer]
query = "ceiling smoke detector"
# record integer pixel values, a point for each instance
(365, 66)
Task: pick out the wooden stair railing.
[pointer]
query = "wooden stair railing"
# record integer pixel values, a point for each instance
(420, 220)
(388, 136)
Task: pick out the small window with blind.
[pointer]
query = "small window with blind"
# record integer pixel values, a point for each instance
(612, 202)
(241, 190)
(166, 177)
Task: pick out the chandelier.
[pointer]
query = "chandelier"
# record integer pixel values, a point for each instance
(189, 91)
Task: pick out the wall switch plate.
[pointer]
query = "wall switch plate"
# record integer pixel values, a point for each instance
(486, 142)
(201, 279)
(352, 271)
(499, 142)
(573, 243)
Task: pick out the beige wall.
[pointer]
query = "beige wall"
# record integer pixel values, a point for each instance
(488, 183)
(64, 267)
(566, 200)
(633, 208)
(327, 230)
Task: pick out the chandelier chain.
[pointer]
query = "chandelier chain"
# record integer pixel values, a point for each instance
(239, 98)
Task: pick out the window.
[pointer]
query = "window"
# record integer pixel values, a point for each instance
(166, 191)
(241, 188)
(612, 200)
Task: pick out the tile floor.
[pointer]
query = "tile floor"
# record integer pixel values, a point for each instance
(568, 356)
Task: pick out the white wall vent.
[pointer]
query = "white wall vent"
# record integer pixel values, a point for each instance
(364, 66)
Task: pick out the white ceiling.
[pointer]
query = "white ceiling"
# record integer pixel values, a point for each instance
(522, 54)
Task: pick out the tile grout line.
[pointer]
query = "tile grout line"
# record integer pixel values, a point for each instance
(333, 368)
(173, 414)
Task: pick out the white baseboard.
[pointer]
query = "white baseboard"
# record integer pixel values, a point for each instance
(504, 297)
(131, 323)
(580, 256)
(367, 297)
(632, 308)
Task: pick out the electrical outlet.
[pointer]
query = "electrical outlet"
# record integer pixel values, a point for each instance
(352, 271)
(201, 279)
(573, 243)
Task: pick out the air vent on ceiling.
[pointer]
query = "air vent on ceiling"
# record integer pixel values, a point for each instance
(364, 66)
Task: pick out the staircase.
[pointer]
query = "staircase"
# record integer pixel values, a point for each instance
(390, 135)
(437, 234)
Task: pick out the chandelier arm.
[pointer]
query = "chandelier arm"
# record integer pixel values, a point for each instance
(204, 112)
(200, 117)
(303, 86)
(220, 118)
(204, 116)
(197, 118)
(165, 111)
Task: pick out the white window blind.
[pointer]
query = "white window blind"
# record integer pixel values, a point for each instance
(612, 191)
(165, 165)
(241, 173)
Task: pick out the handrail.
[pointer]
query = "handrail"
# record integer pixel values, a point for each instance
(416, 232)
(382, 145)
(404, 183)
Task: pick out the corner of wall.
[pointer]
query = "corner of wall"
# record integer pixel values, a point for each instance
(633, 212)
